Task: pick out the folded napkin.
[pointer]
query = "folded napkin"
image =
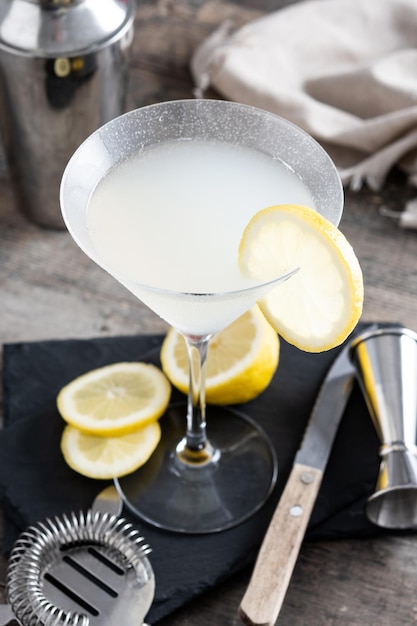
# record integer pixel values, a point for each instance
(36, 483)
(343, 70)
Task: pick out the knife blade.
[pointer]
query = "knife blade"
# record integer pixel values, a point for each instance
(277, 556)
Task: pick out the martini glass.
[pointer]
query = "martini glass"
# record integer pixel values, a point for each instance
(159, 198)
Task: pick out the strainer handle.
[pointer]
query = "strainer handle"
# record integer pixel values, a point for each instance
(6, 613)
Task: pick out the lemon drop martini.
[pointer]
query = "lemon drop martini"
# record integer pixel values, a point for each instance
(144, 224)
(160, 198)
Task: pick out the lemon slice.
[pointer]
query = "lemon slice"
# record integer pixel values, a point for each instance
(319, 306)
(116, 399)
(109, 457)
(240, 364)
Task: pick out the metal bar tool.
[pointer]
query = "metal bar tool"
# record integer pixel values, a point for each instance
(386, 364)
(81, 570)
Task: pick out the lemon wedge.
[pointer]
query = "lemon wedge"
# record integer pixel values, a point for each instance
(319, 306)
(241, 360)
(115, 399)
(109, 457)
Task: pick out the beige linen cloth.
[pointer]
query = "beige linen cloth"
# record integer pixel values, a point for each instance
(343, 70)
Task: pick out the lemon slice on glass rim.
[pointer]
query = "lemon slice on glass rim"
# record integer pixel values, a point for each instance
(241, 360)
(318, 307)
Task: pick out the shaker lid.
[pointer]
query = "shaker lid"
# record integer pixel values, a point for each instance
(55, 28)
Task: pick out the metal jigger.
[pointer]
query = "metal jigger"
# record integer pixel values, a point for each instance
(386, 364)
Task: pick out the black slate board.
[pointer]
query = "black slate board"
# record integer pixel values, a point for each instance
(35, 482)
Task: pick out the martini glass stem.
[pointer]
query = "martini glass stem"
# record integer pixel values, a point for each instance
(194, 448)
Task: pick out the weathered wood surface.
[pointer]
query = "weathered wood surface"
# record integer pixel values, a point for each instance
(49, 289)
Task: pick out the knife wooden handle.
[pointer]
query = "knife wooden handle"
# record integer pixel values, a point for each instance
(265, 593)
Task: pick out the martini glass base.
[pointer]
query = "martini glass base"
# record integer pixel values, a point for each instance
(210, 497)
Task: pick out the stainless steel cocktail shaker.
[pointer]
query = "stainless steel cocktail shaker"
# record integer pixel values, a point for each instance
(63, 73)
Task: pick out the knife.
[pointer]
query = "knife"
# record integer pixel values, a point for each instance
(265, 593)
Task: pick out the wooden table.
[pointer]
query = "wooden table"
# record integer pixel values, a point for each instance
(50, 289)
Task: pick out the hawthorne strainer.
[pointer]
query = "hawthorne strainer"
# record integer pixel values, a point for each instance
(86, 569)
